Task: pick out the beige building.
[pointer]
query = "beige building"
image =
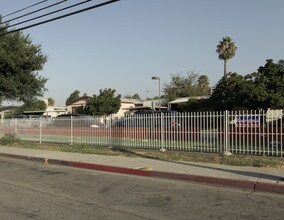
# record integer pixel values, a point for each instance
(78, 103)
(126, 104)
(54, 111)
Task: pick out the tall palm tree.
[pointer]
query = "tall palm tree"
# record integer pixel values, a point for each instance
(226, 50)
(281, 62)
(203, 85)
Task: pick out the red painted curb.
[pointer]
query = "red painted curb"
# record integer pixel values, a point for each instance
(268, 187)
(206, 179)
(188, 177)
(21, 157)
(38, 159)
(248, 185)
(112, 169)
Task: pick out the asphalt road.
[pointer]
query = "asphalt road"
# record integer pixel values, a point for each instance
(32, 190)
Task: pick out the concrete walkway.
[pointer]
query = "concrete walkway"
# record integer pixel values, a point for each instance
(249, 178)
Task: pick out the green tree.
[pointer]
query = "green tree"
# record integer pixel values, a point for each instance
(135, 96)
(184, 86)
(229, 92)
(80, 110)
(73, 96)
(266, 89)
(34, 105)
(259, 90)
(20, 62)
(180, 86)
(50, 101)
(105, 103)
(281, 62)
(203, 88)
(226, 50)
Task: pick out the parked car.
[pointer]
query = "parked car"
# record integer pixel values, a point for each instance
(78, 120)
(150, 118)
(29, 121)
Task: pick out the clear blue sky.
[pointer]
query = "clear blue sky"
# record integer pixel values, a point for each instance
(124, 44)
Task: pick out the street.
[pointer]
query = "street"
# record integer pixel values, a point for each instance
(33, 190)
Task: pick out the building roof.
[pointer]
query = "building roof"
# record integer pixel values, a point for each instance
(123, 100)
(143, 108)
(134, 101)
(79, 99)
(185, 99)
(9, 108)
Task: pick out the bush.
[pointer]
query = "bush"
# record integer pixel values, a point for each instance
(9, 139)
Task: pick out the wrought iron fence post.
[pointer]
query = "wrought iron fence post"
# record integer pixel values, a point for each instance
(163, 149)
(226, 134)
(16, 126)
(110, 132)
(71, 130)
(40, 126)
(281, 136)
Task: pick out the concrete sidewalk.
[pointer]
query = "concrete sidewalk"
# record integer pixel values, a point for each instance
(249, 178)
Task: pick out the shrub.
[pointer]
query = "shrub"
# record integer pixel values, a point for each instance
(9, 139)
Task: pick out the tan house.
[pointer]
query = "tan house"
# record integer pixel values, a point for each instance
(77, 103)
(126, 104)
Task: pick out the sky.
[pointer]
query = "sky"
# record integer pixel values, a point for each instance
(122, 45)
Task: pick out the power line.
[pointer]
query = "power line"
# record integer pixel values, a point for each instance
(62, 16)
(50, 13)
(46, 7)
(24, 8)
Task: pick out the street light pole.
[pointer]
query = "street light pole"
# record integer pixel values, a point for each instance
(158, 78)
(161, 116)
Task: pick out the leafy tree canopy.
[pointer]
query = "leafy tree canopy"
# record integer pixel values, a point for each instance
(20, 62)
(259, 90)
(266, 86)
(135, 96)
(281, 62)
(184, 86)
(50, 101)
(80, 110)
(34, 105)
(229, 92)
(202, 86)
(105, 103)
(73, 96)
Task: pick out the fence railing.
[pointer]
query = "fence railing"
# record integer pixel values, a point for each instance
(236, 132)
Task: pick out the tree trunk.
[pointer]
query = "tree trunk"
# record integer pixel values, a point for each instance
(225, 68)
